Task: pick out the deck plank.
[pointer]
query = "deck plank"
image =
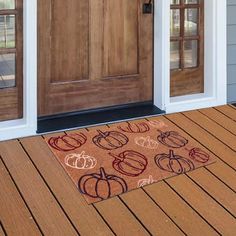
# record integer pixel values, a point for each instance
(180, 212)
(213, 128)
(220, 119)
(34, 190)
(11, 201)
(120, 219)
(155, 220)
(205, 138)
(215, 188)
(228, 111)
(83, 216)
(206, 206)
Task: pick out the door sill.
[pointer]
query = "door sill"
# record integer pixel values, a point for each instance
(96, 117)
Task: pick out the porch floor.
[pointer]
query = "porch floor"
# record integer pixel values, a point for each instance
(37, 197)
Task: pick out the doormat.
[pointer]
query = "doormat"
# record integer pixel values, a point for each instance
(109, 160)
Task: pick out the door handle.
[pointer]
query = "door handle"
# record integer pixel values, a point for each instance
(148, 7)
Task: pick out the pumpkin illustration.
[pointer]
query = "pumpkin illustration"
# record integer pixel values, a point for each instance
(129, 163)
(80, 161)
(110, 140)
(157, 124)
(146, 142)
(172, 139)
(143, 182)
(141, 127)
(173, 163)
(199, 155)
(67, 142)
(102, 185)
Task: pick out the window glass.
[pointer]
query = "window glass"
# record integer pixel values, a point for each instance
(190, 53)
(7, 31)
(7, 4)
(175, 55)
(191, 22)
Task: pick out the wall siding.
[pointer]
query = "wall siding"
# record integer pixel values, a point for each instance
(231, 48)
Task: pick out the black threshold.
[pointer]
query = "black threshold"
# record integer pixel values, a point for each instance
(96, 117)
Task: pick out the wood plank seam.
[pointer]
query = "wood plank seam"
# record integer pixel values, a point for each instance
(194, 181)
(163, 211)
(210, 133)
(211, 151)
(50, 190)
(192, 208)
(219, 179)
(3, 229)
(140, 222)
(216, 122)
(224, 114)
(103, 219)
(23, 199)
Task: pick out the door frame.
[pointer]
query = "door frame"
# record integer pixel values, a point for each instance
(215, 66)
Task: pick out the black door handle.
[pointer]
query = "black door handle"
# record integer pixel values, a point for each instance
(148, 7)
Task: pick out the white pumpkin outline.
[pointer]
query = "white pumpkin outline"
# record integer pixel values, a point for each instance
(78, 157)
(144, 182)
(157, 124)
(140, 141)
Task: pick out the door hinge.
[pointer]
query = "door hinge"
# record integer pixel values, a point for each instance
(148, 7)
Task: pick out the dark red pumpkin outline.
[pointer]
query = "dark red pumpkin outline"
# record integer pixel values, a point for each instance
(167, 134)
(53, 142)
(139, 126)
(120, 158)
(106, 134)
(193, 152)
(158, 158)
(103, 176)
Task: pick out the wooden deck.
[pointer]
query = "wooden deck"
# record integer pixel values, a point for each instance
(38, 198)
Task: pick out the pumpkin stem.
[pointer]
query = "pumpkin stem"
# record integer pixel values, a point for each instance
(101, 133)
(172, 155)
(160, 131)
(103, 173)
(82, 153)
(116, 156)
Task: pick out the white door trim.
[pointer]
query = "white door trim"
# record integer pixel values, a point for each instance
(215, 59)
(215, 66)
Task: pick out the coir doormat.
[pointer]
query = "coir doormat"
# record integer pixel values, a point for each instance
(108, 160)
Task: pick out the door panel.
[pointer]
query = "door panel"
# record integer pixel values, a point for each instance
(93, 54)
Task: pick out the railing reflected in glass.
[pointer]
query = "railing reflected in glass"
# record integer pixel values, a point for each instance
(7, 44)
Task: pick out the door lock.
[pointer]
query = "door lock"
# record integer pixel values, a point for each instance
(148, 7)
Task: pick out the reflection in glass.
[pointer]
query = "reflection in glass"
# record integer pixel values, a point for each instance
(175, 2)
(7, 4)
(7, 31)
(191, 1)
(175, 23)
(191, 22)
(174, 55)
(190, 53)
(7, 70)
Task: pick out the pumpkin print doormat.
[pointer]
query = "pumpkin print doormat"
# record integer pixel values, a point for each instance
(108, 160)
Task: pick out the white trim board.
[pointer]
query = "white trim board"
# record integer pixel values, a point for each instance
(215, 74)
(215, 66)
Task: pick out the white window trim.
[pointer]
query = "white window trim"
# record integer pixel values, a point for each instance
(28, 125)
(215, 66)
(215, 59)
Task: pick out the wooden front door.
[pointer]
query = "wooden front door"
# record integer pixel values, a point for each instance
(93, 54)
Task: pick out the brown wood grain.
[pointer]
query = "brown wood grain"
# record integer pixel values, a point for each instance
(93, 54)
(11, 201)
(228, 111)
(179, 211)
(11, 99)
(35, 192)
(83, 216)
(150, 214)
(206, 206)
(220, 119)
(120, 219)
